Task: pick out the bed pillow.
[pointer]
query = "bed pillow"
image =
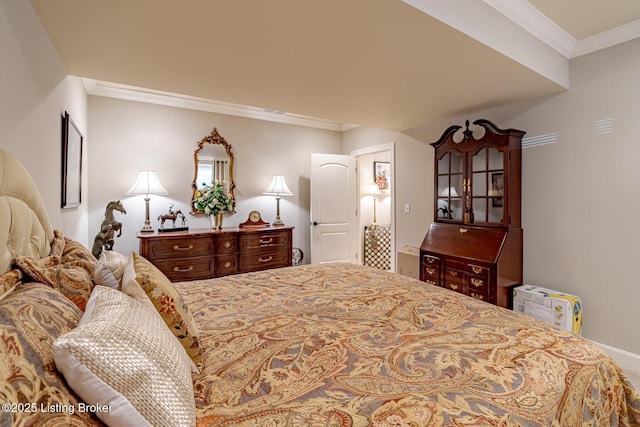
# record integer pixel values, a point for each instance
(110, 269)
(144, 282)
(72, 280)
(72, 253)
(123, 359)
(8, 281)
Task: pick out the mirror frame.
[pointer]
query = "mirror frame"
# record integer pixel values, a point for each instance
(216, 139)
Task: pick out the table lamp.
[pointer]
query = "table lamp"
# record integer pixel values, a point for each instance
(147, 183)
(278, 187)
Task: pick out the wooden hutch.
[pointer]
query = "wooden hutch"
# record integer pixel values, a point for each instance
(474, 245)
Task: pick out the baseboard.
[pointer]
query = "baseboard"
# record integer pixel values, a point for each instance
(627, 360)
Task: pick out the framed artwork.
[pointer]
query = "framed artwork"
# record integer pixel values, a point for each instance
(71, 195)
(497, 189)
(382, 174)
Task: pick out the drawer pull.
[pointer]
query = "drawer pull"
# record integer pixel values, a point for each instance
(431, 270)
(182, 270)
(431, 260)
(477, 270)
(227, 264)
(430, 282)
(454, 287)
(181, 248)
(453, 273)
(227, 244)
(477, 282)
(477, 296)
(463, 230)
(266, 241)
(267, 259)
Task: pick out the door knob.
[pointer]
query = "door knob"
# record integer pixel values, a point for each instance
(314, 223)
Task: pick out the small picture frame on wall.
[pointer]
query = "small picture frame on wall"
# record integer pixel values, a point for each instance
(71, 195)
(382, 174)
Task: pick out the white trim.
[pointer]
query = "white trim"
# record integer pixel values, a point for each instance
(608, 38)
(531, 19)
(132, 93)
(625, 359)
(391, 148)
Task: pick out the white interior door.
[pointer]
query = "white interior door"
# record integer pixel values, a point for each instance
(333, 209)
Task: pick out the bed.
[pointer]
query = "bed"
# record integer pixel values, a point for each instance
(314, 345)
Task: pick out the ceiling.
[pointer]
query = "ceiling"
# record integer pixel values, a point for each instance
(379, 63)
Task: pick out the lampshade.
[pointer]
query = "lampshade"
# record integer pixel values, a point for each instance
(450, 192)
(147, 183)
(373, 190)
(278, 187)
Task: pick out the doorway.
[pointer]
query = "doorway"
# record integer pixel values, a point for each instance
(375, 191)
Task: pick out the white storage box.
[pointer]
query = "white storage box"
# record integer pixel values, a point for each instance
(409, 262)
(560, 309)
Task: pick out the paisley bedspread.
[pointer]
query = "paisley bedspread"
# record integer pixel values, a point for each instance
(344, 345)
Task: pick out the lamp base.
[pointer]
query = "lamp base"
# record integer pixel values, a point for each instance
(278, 222)
(147, 228)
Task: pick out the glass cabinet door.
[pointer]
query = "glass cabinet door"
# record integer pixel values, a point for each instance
(487, 186)
(450, 191)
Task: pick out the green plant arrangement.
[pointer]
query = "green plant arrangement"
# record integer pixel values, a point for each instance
(213, 199)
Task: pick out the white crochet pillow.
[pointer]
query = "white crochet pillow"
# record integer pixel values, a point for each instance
(125, 360)
(110, 269)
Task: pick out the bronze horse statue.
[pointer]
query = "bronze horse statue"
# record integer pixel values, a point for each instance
(172, 216)
(108, 228)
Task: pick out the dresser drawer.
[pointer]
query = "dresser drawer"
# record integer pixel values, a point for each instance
(182, 269)
(453, 275)
(263, 260)
(225, 265)
(263, 241)
(430, 272)
(186, 247)
(225, 244)
(454, 286)
(478, 271)
(431, 260)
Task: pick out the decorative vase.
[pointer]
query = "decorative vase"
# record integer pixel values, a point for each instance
(216, 221)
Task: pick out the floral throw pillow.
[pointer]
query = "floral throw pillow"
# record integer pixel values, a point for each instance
(140, 273)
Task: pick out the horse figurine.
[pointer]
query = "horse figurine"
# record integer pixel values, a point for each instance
(104, 238)
(172, 216)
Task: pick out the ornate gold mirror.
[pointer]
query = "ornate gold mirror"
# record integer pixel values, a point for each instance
(213, 162)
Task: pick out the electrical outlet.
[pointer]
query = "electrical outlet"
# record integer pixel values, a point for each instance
(407, 208)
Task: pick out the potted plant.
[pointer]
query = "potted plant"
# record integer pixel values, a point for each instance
(214, 200)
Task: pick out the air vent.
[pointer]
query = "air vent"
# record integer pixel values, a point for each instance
(604, 126)
(534, 141)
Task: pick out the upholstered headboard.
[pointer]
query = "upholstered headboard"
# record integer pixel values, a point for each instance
(25, 228)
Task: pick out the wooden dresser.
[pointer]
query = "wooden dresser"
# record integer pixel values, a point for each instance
(474, 245)
(479, 262)
(204, 253)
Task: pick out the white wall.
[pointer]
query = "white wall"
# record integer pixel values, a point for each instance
(35, 93)
(581, 195)
(128, 136)
(413, 176)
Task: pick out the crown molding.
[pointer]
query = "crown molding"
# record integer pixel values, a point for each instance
(132, 93)
(538, 24)
(608, 38)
